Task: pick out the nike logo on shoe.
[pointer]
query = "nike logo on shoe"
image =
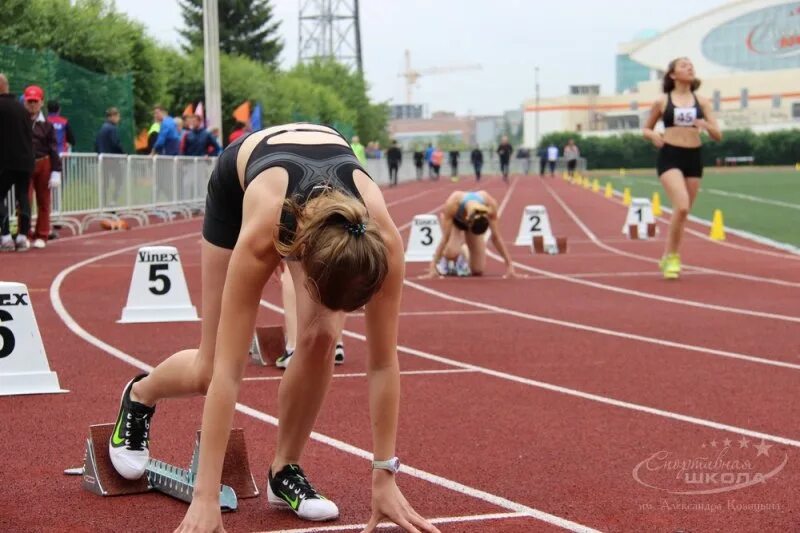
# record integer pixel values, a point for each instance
(293, 502)
(116, 440)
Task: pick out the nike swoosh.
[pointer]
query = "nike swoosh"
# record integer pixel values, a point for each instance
(294, 503)
(115, 440)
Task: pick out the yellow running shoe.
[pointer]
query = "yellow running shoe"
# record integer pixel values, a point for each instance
(671, 266)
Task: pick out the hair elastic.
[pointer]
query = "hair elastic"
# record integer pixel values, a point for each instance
(357, 229)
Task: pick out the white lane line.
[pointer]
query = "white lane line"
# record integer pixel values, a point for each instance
(617, 251)
(364, 374)
(384, 525)
(750, 198)
(604, 331)
(632, 292)
(342, 446)
(408, 198)
(558, 388)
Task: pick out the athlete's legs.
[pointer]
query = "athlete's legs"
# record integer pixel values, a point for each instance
(305, 383)
(677, 191)
(188, 372)
(289, 307)
(477, 253)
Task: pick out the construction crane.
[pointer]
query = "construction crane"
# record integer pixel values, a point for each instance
(411, 75)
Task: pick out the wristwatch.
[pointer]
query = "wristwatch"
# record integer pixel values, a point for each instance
(392, 465)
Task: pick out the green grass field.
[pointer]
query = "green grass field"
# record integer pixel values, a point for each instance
(762, 201)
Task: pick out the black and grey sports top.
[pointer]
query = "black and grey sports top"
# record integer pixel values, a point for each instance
(312, 169)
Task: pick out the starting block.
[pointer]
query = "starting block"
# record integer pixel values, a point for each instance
(158, 290)
(100, 477)
(552, 247)
(640, 222)
(423, 239)
(268, 344)
(536, 233)
(24, 368)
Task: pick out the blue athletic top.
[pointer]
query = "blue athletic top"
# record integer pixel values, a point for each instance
(459, 220)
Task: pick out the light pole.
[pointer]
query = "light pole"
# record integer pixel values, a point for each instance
(213, 108)
(536, 111)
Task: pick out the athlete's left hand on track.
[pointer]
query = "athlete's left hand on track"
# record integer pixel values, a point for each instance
(512, 274)
(388, 503)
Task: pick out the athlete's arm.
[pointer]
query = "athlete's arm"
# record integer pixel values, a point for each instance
(648, 131)
(710, 122)
(253, 260)
(383, 374)
(497, 239)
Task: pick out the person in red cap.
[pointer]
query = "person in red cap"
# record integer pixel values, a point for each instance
(47, 168)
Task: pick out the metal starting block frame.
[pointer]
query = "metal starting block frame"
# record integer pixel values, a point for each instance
(100, 477)
(268, 344)
(540, 245)
(633, 231)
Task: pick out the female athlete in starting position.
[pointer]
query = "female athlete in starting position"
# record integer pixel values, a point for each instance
(465, 218)
(298, 192)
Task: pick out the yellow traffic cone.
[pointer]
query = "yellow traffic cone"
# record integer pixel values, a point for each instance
(657, 204)
(717, 227)
(609, 190)
(797, 166)
(626, 196)
(586, 183)
(622, 172)
(595, 186)
(565, 176)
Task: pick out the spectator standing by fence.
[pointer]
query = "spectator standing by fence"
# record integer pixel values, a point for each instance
(552, 158)
(198, 140)
(571, 154)
(429, 159)
(238, 131)
(477, 162)
(437, 158)
(419, 162)
(454, 155)
(107, 140)
(504, 151)
(65, 139)
(358, 149)
(47, 164)
(16, 164)
(169, 138)
(394, 157)
(542, 160)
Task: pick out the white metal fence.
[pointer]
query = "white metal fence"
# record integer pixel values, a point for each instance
(98, 187)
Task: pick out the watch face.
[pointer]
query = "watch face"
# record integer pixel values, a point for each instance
(395, 464)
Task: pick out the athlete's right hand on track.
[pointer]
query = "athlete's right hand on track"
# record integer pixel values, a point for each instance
(203, 516)
(388, 503)
(431, 274)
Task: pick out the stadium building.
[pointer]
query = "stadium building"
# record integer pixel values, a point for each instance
(746, 52)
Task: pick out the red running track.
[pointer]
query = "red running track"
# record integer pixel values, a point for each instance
(528, 404)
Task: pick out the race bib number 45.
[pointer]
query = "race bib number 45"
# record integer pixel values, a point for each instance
(685, 116)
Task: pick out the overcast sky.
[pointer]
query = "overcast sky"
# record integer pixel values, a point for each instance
(572, 42)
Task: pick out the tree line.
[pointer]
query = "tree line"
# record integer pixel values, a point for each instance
(95, 36)
(634, 151)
